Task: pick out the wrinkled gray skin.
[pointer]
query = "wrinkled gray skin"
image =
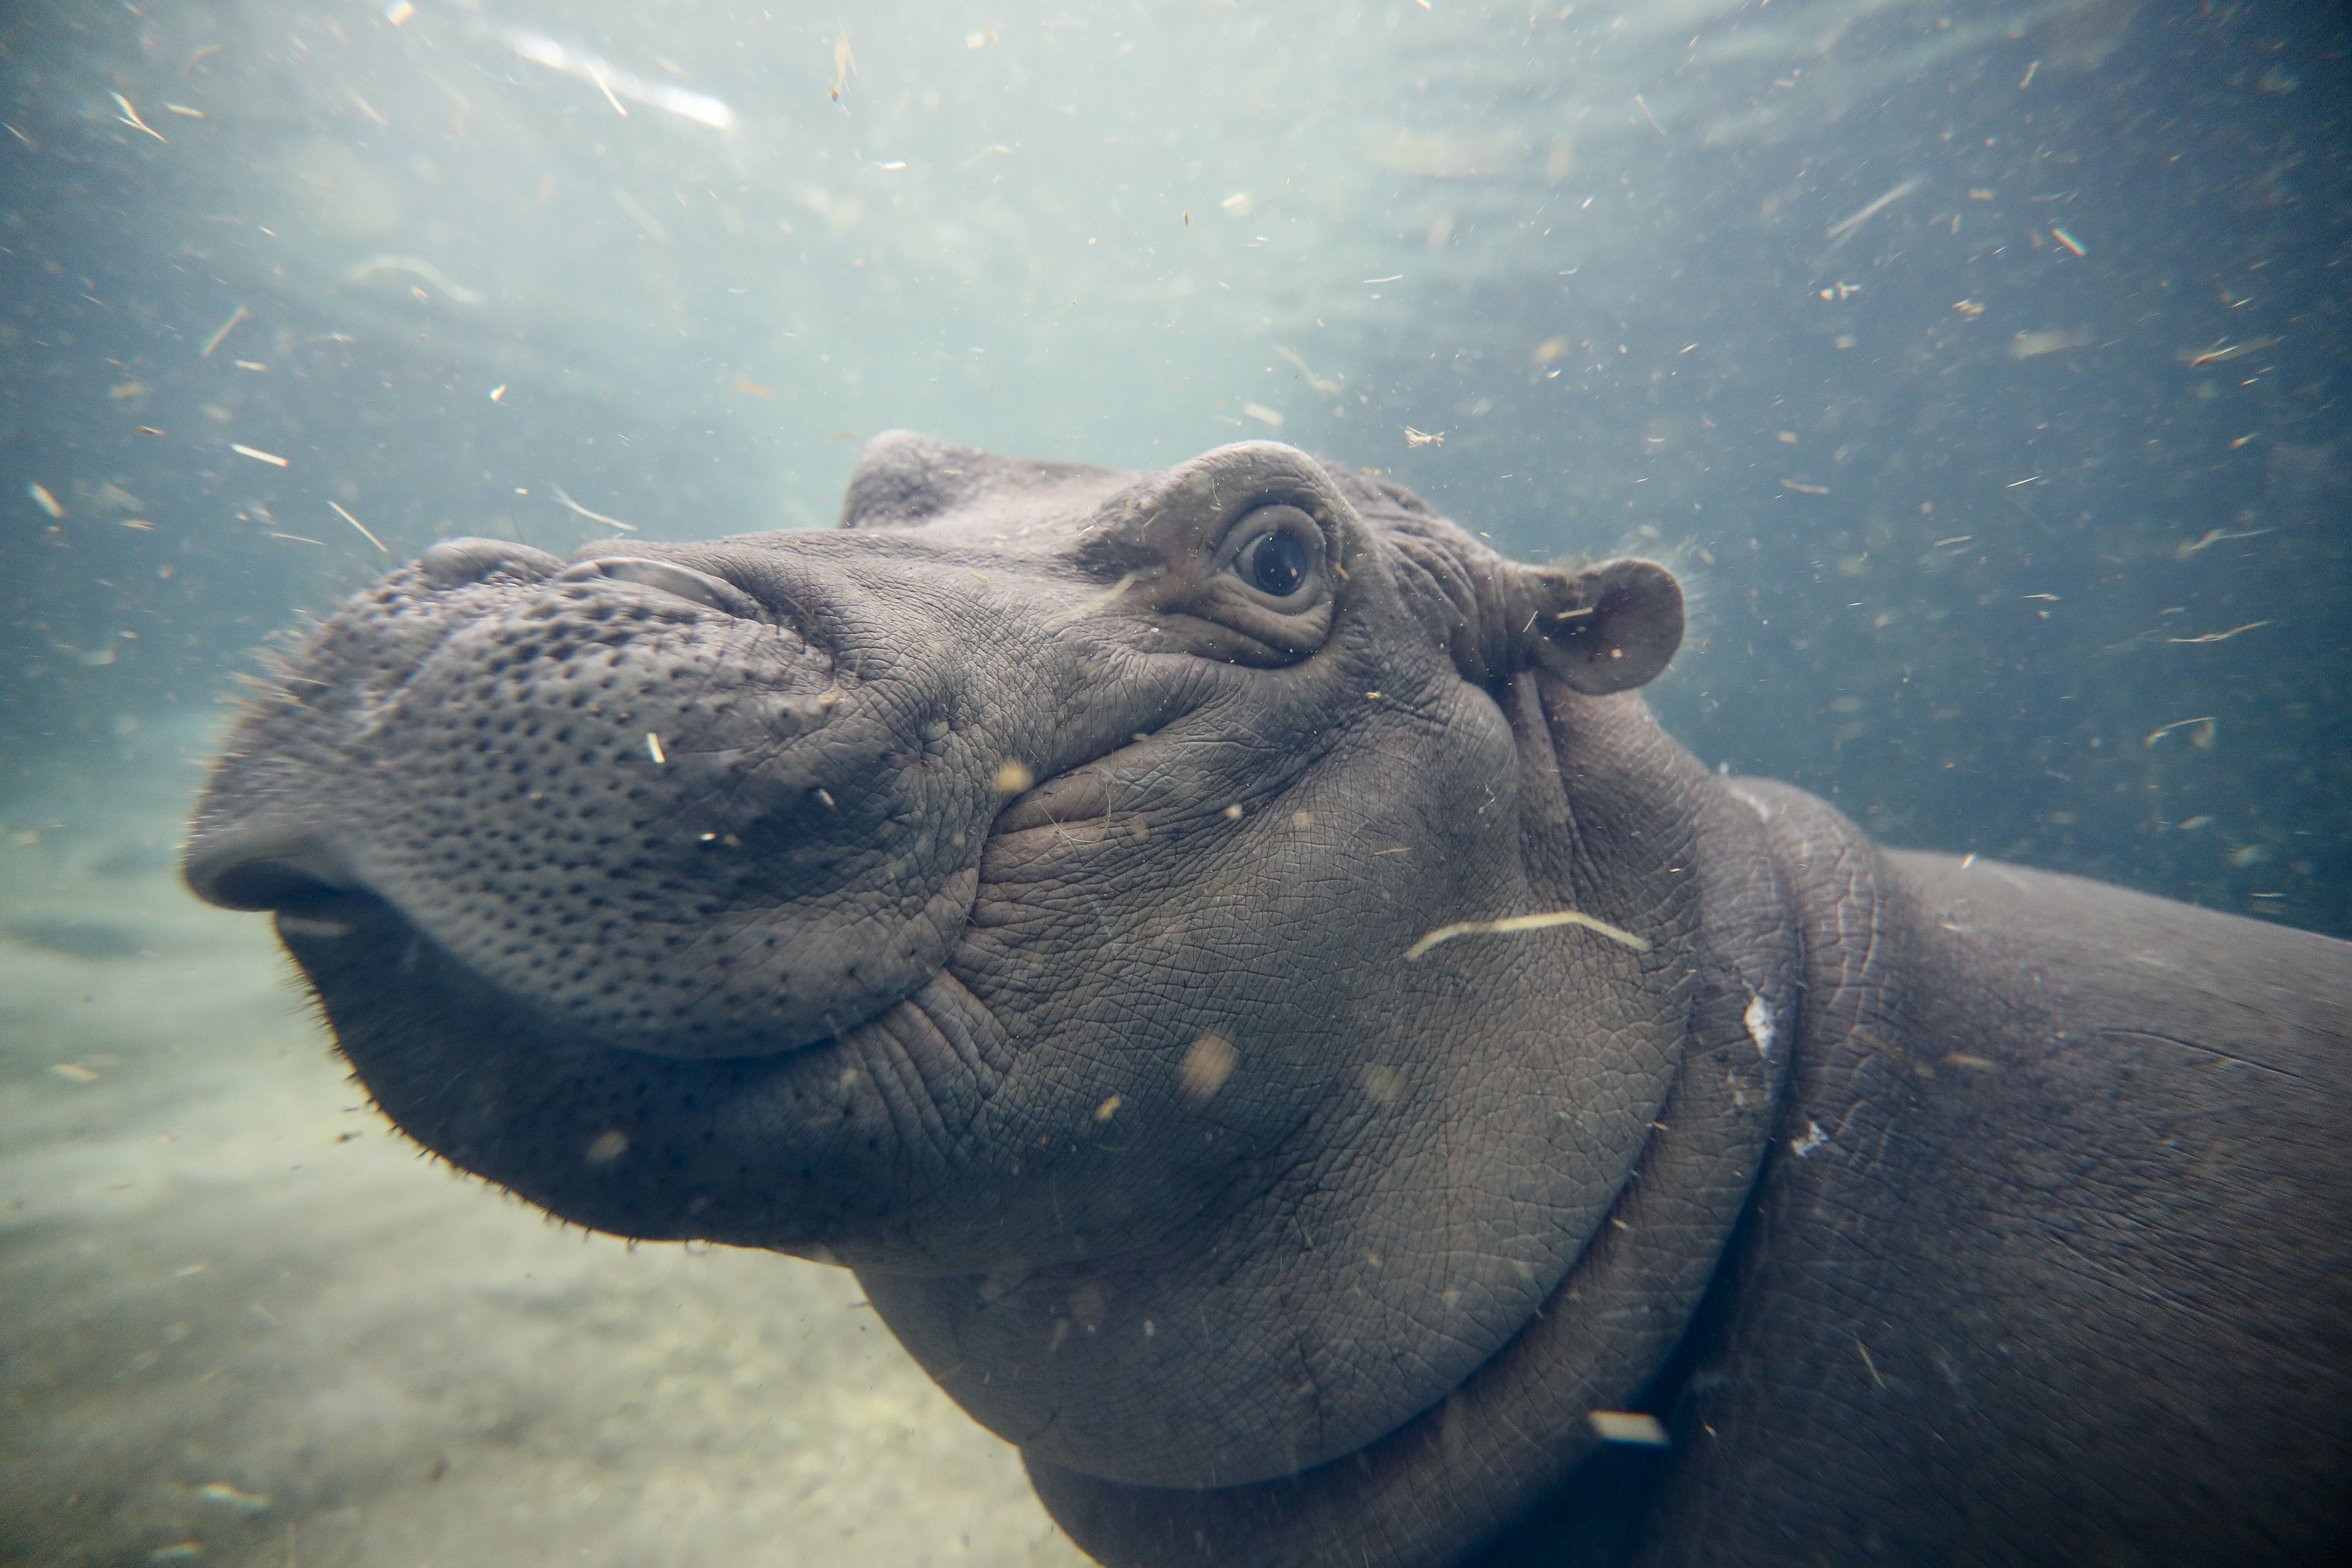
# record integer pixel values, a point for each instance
(1013, 903)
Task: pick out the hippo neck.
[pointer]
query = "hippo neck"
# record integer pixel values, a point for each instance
(1428, 1490)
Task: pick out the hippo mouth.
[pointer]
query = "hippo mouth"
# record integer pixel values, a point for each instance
(638, 1144)
(821, 1143)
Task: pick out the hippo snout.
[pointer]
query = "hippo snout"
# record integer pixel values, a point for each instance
(697, 806)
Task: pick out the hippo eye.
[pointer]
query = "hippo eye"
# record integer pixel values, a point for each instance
(1277, 562)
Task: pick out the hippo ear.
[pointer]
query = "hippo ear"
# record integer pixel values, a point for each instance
(1609, 627)
(903, 479)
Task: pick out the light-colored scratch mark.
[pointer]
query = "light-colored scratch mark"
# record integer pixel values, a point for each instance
(1089, 606)
(1517, 923)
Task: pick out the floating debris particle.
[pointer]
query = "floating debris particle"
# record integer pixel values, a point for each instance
(1012, 777)
(755, 389)
(1846, 225)
(593, 516)
(257, 455)
(1326, 384)
(355, 523)
(225, 327)
(2068, 240)
(1424, 438)
(178, 1551)
(1804, 489)
(497, 392)
(2033, 345)
(1208, 1062)
(2220, 352)
(222, 1491)
(130, 118)
(75, 1071)
(2220, 637)
(1260, 412)
(1629, 1426)
(844, 65)
(654, 750)
(1108, 1108)
(1813, 1139)
(1514, 924)
(2202, 739)
(45, 501)
(457, 293)
(597, 76)
(1969, 308)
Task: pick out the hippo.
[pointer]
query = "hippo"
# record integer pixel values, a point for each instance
(1285, 1038)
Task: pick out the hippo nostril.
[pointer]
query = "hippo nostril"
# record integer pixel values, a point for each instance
(455, 562)
(264, 868)
(668, 577)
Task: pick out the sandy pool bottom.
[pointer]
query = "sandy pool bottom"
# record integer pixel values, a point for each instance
(243, 1322)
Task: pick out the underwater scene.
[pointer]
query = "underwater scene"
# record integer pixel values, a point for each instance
(1979, 371)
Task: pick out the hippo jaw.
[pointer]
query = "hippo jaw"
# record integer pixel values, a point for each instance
(1052, 1074)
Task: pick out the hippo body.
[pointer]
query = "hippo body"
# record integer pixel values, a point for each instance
(1284, 1038)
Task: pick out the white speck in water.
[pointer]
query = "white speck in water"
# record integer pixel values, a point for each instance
(1760, 1025)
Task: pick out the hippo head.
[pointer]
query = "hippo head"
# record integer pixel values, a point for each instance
(1023, 896)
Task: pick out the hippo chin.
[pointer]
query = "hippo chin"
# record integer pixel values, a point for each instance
(1284, 1038)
